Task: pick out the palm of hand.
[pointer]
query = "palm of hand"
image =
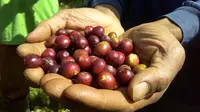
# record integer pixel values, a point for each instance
(156, 46)
(153, 44)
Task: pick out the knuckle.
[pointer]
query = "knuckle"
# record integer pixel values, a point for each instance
(163, 82)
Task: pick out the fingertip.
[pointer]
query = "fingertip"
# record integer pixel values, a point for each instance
(34, 75)
(146, 83)
(79, 90)
(41, 33)
(37, 36)
(140, 85)
(83, 94)
(55, 87)
(30, 48)
(22, 50)
(139, 92)
(30, 38)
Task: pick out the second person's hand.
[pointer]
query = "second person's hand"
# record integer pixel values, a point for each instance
(77, 19)
(158, 45)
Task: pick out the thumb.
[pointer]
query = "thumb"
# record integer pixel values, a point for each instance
(161, 53)
(147, 82)
(45, 29)
(158, 76)
(30, 48)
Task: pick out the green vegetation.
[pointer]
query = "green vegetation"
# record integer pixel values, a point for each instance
(38, 101)
(71, 3)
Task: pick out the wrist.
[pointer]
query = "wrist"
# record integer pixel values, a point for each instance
(176, 31)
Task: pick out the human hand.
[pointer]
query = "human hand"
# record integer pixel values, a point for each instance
(158, 46)
(157, 78)
(77, 19)
(73, 19)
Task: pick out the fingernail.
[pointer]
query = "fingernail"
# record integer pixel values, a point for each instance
(140, 91)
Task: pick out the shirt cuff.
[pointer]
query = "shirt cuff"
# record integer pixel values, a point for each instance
(118, 4)
(187, 18)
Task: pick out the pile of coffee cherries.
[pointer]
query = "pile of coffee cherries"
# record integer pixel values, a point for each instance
(92, 58)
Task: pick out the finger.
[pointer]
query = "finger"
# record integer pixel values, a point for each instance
(51, 76)
(30, 48)
(54, 84)
(70, 19)
(110, 100)
(33, 75)
(55, 87)
(147, 82)
(162, 69)
(158, 75)
(98, 98)
(46, 28)
(61, 20)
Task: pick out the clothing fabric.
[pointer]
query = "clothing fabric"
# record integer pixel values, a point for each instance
(20, 17)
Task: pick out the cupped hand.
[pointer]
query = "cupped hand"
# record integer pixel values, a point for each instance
(155, 44)
(73, 19)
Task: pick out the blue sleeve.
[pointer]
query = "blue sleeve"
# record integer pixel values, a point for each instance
(118, 4)
(187, 18)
